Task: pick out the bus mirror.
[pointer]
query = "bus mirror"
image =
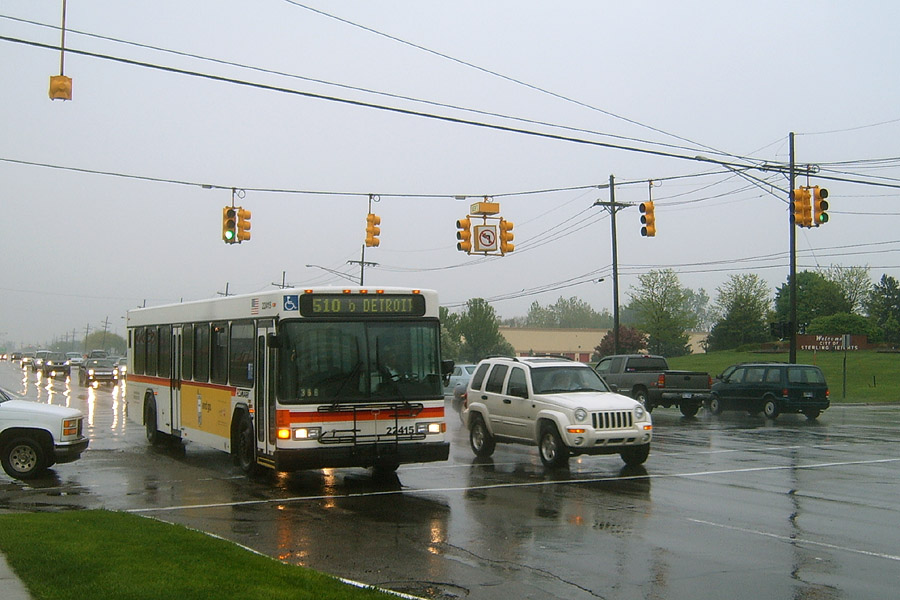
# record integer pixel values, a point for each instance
(447, 367)
(273, 341)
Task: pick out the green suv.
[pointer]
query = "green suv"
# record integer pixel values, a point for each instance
(771, 388)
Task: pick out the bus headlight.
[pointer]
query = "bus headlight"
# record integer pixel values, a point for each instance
(307, 433)
(430, 428)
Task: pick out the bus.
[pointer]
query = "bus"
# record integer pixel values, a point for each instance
(294, 379)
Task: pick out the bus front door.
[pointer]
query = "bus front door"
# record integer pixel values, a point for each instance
(264, 392)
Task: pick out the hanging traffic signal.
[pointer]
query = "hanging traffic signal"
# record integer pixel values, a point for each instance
(506, 236)
(229, 225)
(801, 210)
(372, 229)
(60, 87)
(648, 218)
(464, 235)
(243, 225)
(820, 205)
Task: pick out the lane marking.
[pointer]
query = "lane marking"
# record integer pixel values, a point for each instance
(525, 484)
(793, 540)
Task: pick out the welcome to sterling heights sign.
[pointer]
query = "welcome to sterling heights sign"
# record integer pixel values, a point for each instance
(833, 342)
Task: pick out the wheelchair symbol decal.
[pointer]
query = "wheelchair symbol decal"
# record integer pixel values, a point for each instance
(291, 302)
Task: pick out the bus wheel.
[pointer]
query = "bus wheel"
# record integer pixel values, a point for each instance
(152, 433)
(246, 446)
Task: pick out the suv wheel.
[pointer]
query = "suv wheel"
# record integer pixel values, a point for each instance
(635, 455)
(812, 413)
(770, 408)
(554, 453)
(715, 405)
(480, 438)
(689, 410)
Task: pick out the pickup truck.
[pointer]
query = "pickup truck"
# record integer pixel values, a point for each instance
(648, 379)
(36, 436)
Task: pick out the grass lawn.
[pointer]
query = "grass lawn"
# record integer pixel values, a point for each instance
(105, 555)
(871, 376)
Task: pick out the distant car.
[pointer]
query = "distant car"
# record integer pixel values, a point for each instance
(457, 384)
(38, 362)
(55, 364)
(98, 370)
(561, 406)
(98, 354)
(27, 359)
(74, 360)
(34, 436)
(121, 367)
(771, 388)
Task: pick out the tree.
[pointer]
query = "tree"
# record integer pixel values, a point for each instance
(479, 328)
(883, 307)
(855, 284)
(743, 305)
(630, 341)
(571, 313)
(664, 312)
(451, 342)
(816, 297)
(843, 324)
(698, 303)
(104, 340)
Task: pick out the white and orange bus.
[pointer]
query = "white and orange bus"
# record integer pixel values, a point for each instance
(295, 378)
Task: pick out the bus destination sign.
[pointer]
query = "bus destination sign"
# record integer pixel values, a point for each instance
(346, 305)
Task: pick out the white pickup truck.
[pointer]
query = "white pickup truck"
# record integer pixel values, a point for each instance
(34, 436)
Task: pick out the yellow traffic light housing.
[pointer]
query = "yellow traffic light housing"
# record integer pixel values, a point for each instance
(648, 219)
(229, 225)
(464, 235)
(60, 87)
(243, 225)
(801, 209)
(372, 230)
(820, 205)
(506, 236)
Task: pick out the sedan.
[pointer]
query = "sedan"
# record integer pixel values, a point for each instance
(98, 370)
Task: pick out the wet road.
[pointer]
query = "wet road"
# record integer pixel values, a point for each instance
(732, 505)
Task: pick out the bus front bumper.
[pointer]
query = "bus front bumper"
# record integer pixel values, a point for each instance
(361, 455)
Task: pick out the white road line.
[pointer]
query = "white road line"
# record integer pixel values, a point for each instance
(526, 484)
(794, 540)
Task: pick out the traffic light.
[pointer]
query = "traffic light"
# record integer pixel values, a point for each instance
(801, 211)
(372, 229)
(60, 87)
(464, 235)
(820, 205)
(648, 218)
(243, 225)
(229, 225)
(506, 236)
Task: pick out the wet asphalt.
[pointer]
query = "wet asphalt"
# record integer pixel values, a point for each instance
(732, 505)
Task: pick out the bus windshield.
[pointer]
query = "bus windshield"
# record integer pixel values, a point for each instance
(358, 361)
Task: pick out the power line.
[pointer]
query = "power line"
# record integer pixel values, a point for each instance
(382, 107)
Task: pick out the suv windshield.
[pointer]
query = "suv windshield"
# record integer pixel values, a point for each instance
(551, 380)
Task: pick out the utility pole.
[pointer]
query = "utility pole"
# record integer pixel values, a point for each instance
(362, 265)
(283, 284)
(613, 207)
(792, 326)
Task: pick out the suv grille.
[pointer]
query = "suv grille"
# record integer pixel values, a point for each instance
(613, 419)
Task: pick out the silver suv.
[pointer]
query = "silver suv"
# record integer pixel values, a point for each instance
(561, 406)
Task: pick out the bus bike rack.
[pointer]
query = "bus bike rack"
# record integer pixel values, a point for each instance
(393, 410)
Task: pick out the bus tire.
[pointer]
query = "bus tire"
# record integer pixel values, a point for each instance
(154, 437)
(245, 451)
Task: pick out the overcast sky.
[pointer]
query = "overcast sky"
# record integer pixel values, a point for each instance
(723, 80)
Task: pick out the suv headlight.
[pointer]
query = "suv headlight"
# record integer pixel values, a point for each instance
(639, 412)
(580, 414)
